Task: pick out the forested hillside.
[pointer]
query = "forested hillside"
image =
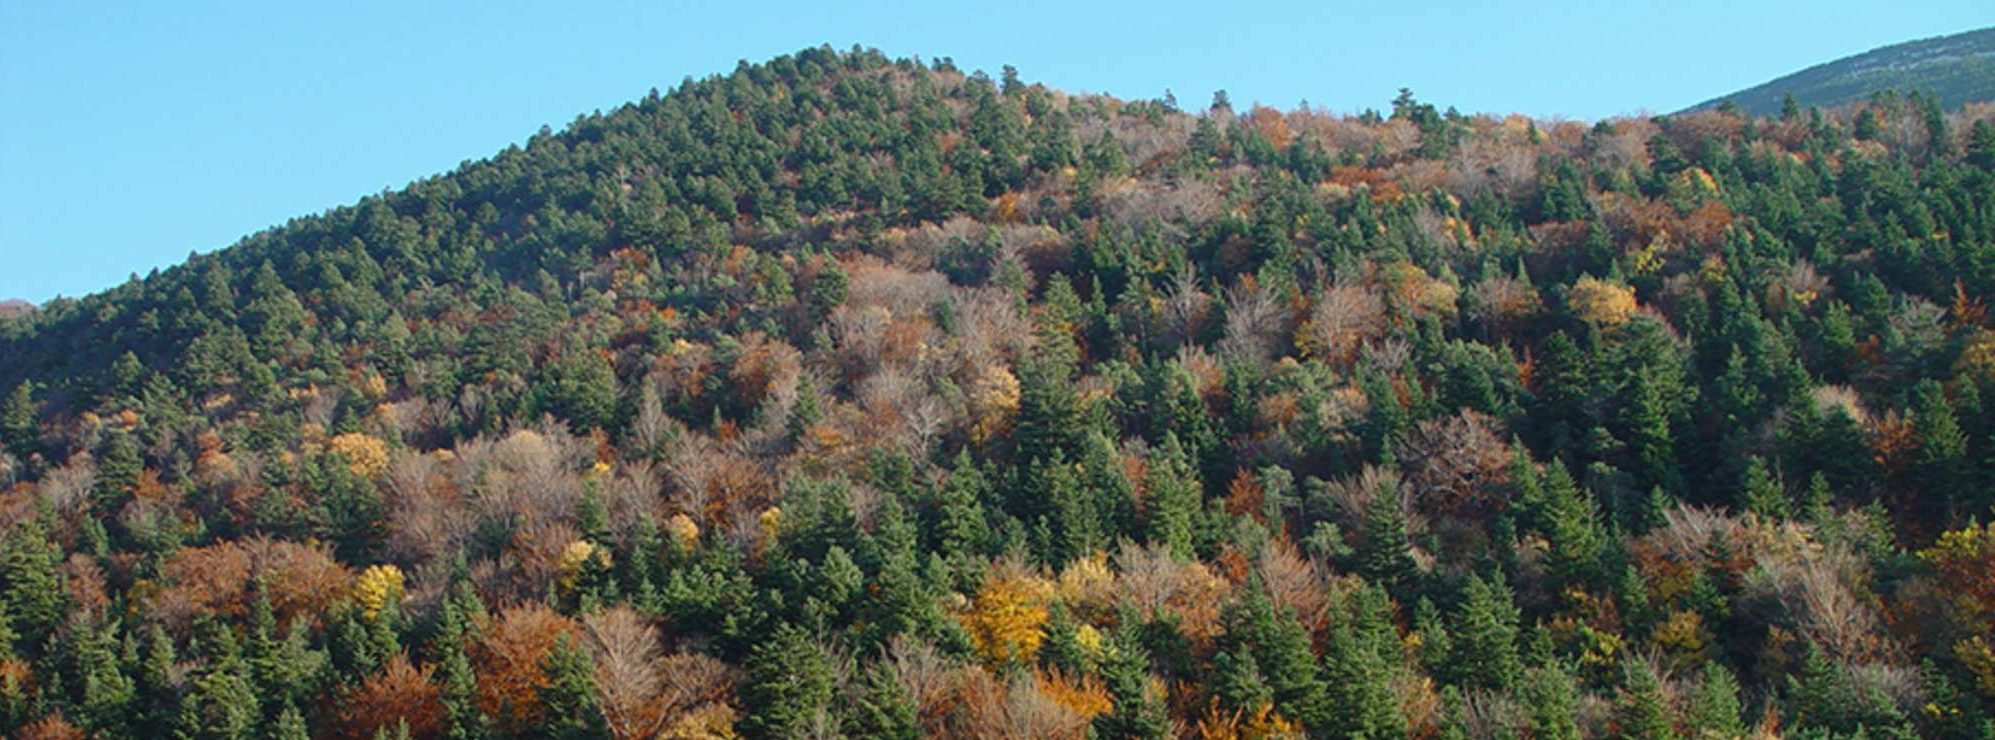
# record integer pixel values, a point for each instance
(845, 395)
(1957, 70)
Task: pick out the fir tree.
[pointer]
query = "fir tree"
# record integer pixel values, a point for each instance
(1573, 527)
(1173, 496)
(20, 427)
(569, 697)
(1640, 710)
(108, 694)
(1485, 635)
(1714, 709)
(1551, 700)
(1360, 666)
(1760, 494)
(788, 686)
(1385, 555)
(879, 707)
(1135, 713)
(29, 584)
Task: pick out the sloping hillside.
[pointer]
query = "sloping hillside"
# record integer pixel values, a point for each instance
(1957, 69)
(853, 396)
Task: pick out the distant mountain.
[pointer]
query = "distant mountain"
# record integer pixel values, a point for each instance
(1958, 68)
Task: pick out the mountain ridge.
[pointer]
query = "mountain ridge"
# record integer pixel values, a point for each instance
(845, 395)
(1958, 68)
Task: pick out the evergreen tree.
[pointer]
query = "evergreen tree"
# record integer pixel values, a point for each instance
(1134, 713)
(1714, 709)
(1573, 527)
(1551, 700)
(879, 707)
(788, 686)
(1941, 464)
(222, 704)
(29, 584)
(158, 697)
(20, 425)
(1174, 496)
(1640, 710)
(108, 694)
(1360, 666)
(1485, 635)
(1760, 494)
(1385, 555)
(569, 697)
(962, 526)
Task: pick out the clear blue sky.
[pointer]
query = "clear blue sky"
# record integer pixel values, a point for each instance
(131, 136)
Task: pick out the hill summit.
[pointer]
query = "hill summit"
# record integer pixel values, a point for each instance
(851, 396)
(1956, 69)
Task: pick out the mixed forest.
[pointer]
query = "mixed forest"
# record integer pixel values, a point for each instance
(854, 396)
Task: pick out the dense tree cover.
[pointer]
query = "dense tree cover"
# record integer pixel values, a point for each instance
(844, 395)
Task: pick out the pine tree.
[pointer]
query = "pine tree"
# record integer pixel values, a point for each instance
(1941, 464)
(788, 686)
(20, 426)
(1560, 380)
(1135, 713)
(1107, 486)
(569, 697)
(1385, 554)
(290, 725)
(118, 469)
(457, 684)
(223, 701)
(1640, 710)
(1650, 438)
(962, 526)
(1551, 699)
(1359, 668)
(1760, 494)
(1573, 527)
(108, 694)
(29, 584)
(1049, 407)
(1173, 497)
(1714, 709)
(159, 699)
(879, 707)
(1485, 634)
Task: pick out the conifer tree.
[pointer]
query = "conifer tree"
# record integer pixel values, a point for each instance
(788, 686)
(1573, 526)
(879, 707)
(20, 426)
(1714, 709)
(1360, 666)
(29, 585)
(569, 698)
(1941, 464)
(1173, 497)
(1485, 635)
(1135, 713)
(1760, 494)
(1551, 700)
(1641, 711)
(223, 701)
(107, 692)
(1385, 554)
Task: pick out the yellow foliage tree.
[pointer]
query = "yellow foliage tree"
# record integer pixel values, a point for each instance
(377, 587)
(1007, 618)
(993, 397)
(364, 455)
(684, 533)
(1602, 302)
